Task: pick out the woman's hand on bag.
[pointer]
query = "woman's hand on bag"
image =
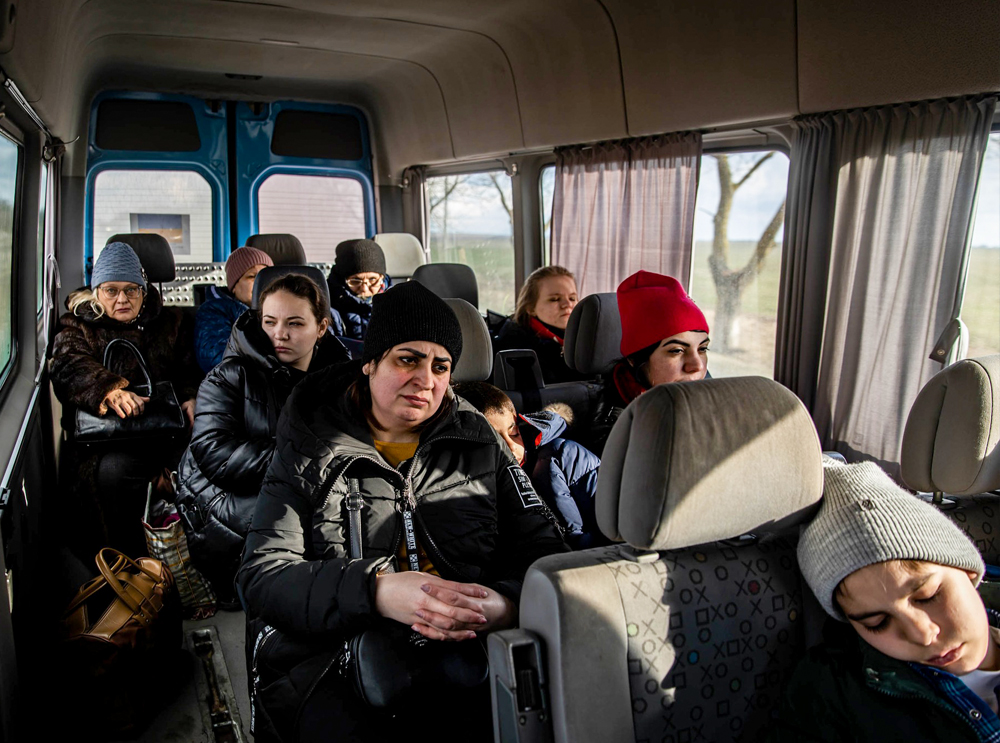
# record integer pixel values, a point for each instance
(436, 608)
(126, 404)
(188, 407)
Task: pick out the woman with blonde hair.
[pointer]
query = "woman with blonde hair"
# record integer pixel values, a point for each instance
(544, 305)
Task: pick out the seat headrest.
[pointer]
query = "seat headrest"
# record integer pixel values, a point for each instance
(403, 253)
(951, 442)
(594, 335)
(449, 280)
(269, 274)
(285, 250)
(154, 253)
(697, 462)
(476, 362)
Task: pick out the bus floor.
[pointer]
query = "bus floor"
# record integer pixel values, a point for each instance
(189, 716)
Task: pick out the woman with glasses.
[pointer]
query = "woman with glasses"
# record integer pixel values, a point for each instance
(109, 487)
(355, 278)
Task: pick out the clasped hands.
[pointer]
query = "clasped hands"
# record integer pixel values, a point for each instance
(442, 609)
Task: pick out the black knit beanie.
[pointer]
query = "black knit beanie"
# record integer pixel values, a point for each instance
(358, 256)
(411, 312)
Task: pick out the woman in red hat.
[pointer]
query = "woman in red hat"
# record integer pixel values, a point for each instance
(664, 340)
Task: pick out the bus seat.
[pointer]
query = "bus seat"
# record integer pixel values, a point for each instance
(951, 444)
(270, 273)
(284, 249)
(476, 362)
(403, 254)
(518, 373)
(594, 335)
(449, 280)
(154, 253)
(688, 630)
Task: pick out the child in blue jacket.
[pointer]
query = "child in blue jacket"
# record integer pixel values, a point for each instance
(563, 472)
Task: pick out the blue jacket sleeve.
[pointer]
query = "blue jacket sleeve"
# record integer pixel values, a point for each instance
(212, 325)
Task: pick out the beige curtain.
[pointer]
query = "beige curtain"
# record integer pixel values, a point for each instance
(880, 205)
(623, 206)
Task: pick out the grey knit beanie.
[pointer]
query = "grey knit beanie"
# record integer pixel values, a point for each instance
(865, 519)
(117, 262)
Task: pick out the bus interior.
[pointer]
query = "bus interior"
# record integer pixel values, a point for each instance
(823, 177)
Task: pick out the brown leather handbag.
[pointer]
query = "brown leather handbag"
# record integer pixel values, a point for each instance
(123, 628)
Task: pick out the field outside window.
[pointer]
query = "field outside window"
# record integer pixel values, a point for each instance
(470, 222)
(737, 258)
(981, 308)
(9, 153)
(320, 210)
(547, 184)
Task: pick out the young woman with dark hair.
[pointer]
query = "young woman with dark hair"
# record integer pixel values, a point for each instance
(239, 402)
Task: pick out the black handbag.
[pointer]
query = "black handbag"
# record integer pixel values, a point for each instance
(161, 419)
(385, 663)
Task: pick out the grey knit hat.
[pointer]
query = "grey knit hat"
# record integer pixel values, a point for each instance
(865, 519)
(117, 262)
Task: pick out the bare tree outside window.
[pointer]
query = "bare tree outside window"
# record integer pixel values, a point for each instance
(735, 276)
(470, 220)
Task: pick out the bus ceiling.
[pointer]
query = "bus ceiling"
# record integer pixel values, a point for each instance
(459, 79)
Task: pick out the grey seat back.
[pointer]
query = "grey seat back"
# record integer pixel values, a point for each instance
(476, 362)
(594, 334)
(403, 254)
(449, 280)
(951, 444)
(154, 254)
(270, 273)
(284, 249)
(688, 631)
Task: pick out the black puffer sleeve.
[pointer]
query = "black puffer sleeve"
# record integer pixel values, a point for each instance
(527, 528)
(227, 453)
(281, 579)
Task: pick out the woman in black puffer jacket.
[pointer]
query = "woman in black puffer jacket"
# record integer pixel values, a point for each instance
(238, 406)
(389, 429)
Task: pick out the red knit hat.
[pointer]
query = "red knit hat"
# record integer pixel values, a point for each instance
(242, 260)
(654, 307)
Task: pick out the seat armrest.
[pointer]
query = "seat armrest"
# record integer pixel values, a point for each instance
(518, 688)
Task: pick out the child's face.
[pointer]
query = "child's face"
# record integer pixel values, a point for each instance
(931, 615)
(505, 424)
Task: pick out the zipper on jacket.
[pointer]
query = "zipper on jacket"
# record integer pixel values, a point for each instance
(410, 502)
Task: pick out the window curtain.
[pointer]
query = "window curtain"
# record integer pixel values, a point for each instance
(880, 206)
(623, 206)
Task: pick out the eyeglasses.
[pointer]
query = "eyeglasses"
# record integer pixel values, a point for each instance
(358, 283)
(111, 292)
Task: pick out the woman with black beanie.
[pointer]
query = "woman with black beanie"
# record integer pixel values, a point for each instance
(447, 524)
(357, 276)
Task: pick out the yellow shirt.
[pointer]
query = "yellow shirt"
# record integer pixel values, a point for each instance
(395, 454)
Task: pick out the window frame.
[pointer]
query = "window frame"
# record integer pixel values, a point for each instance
(10, 367)
(216, 185)
(367, 190)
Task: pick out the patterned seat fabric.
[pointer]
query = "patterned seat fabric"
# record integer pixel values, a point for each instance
(713, 634)
(979, 517)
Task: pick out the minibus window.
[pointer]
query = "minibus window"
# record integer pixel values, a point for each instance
(174, 203)
(470, 222)
(319, 210)
(9, 155)
(737, 257)
(547, 184)
(981, 306)
(43, 190)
